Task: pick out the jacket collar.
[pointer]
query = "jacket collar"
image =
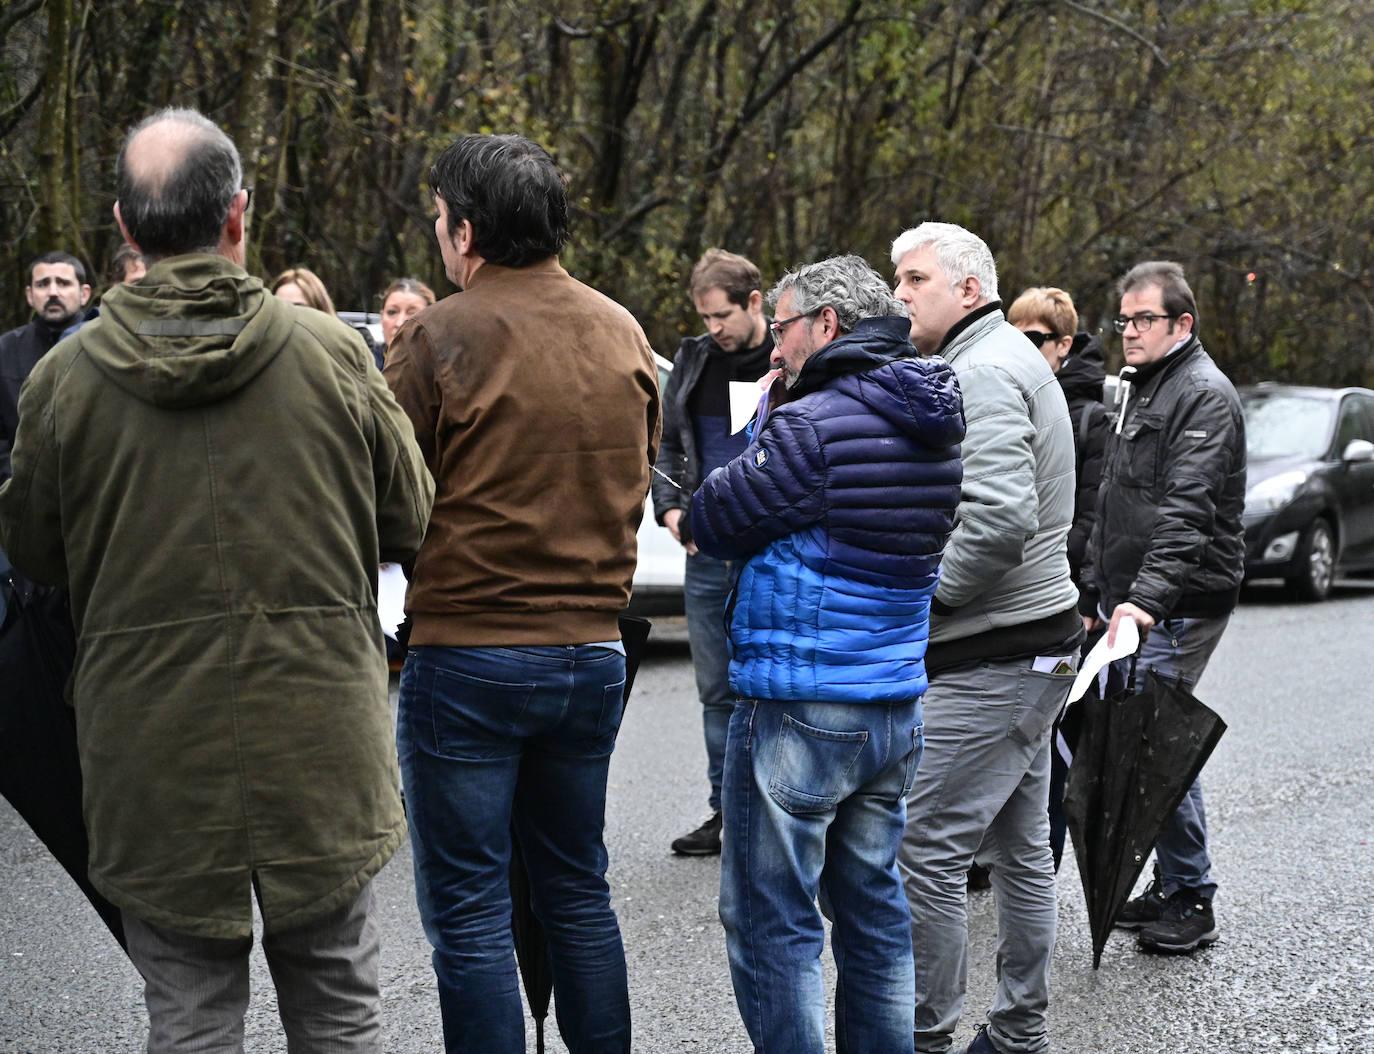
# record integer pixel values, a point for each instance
(968, 329)
(1162, 367)
(490, 273)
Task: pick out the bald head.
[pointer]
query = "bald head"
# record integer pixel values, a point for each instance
(178, 179)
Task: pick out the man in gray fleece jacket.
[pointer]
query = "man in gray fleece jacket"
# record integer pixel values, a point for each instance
(1004, 643)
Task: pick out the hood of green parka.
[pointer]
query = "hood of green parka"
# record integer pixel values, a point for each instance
(194, 330)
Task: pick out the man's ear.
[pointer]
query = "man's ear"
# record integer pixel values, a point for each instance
(465, 238)
(28, 292)
(755, 303)
(234, 221)
(85, 295)
(119, 220)
(970, 292)
(830, 323)
(1179, 322)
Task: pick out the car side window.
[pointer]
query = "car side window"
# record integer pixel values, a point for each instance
(1367, 418)
(1352, 425)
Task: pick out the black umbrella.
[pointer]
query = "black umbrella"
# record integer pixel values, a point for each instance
(40, 774)
(531, 943)
(1137, 756)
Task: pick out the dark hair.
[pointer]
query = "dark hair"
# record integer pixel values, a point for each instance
(511, 192)
(733, 275)
(1173, 287)
(59, 257)
(184, 210)
(120, 261)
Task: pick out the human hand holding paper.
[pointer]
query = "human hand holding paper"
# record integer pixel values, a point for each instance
(1106, 650)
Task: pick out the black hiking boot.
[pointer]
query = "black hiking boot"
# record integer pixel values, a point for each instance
(1186, 925)
(982, 1043)
(979, 878)
(1145, 909)
(704, 841)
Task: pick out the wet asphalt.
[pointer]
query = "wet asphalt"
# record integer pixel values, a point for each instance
(1290, 794)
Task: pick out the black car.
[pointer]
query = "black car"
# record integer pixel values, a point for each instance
(1309, 503)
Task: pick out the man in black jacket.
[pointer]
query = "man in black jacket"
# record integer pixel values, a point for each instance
(1168, 552)
(57, 291)
(697, 439)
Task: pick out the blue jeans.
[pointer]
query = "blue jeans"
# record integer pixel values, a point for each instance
(491, 736)
(706, 588)
(1181, 647)
(815, 804)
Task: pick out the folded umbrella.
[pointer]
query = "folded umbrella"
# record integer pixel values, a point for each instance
(531, 942)
(40, 773)
(1137, 755)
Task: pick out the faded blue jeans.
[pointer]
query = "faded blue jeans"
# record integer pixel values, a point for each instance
(815, 805)
(491, 735)
(1181, 647)
(706, 588)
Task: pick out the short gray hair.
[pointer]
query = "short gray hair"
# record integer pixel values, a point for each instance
(960, 253)
(179, 208)
(845, 283)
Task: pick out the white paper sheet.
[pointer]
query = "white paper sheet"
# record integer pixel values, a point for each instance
(391, 598)
(1127, 641)
(744, 400)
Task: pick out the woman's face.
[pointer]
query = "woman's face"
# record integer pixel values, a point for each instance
(399, 306)
(292, 294)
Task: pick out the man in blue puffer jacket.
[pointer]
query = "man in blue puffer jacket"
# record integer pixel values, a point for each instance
(839, 508)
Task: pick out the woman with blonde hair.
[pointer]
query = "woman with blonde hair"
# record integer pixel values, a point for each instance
(302, 287)
(403, 299)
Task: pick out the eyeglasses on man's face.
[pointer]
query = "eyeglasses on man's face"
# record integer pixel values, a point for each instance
(779, 325)
(1143, 321)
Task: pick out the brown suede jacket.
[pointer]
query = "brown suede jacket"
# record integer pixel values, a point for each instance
(535, 401)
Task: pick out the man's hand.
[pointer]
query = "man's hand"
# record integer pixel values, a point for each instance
(671, 519)
(1143, 619)
(1091, 623)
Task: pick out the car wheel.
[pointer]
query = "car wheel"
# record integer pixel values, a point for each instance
(1315, 563)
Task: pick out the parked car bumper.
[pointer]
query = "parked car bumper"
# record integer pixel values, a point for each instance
(1273, 539)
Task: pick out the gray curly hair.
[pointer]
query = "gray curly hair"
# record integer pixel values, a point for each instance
(845, 283)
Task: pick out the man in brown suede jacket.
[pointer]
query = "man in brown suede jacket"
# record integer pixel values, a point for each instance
(535, 401)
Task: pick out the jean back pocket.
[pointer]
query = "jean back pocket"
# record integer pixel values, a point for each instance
(812, 767)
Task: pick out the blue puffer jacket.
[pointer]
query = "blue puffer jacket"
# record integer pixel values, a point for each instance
(841, 505)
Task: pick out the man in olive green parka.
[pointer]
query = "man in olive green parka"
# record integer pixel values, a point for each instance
(215, 475)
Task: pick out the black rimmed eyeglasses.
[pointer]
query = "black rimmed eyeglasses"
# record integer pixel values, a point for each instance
(781, 324)
(1143, 321)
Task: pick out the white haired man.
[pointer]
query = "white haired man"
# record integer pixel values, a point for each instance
(1004, 643)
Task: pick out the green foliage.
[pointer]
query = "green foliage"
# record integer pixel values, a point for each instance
(1234, 135)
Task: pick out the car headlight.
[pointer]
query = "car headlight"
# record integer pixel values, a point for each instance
(1274, 493)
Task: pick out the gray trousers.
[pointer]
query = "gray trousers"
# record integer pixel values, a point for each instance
(325, 973)
(984, 782)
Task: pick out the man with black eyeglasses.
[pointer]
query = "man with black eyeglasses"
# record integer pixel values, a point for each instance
(1167, 551)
